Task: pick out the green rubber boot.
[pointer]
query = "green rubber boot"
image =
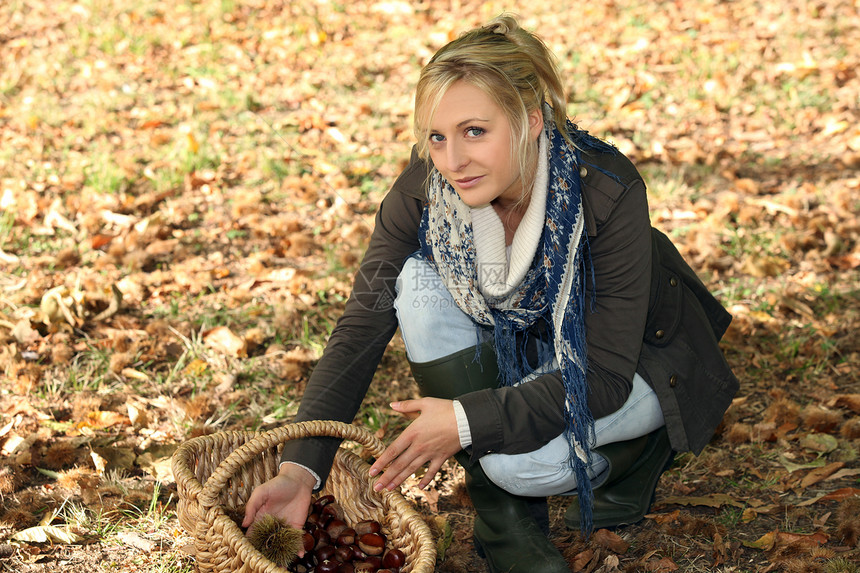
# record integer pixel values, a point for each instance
(626, 495)
(506, 531)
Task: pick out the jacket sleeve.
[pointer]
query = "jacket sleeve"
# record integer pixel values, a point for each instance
(343, 374)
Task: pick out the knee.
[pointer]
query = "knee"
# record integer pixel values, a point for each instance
(508, 476)
(416, 284)
(498, 472)
(410, 277)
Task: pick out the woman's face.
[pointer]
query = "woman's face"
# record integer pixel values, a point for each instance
(471, 144)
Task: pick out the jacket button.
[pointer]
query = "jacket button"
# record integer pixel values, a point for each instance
(659, 334)
(673, 379)
(673, 281)
(583, 171)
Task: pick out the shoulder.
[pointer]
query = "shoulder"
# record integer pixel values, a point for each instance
(412, 181)
(608, 178)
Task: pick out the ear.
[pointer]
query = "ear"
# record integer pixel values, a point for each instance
(535, 123)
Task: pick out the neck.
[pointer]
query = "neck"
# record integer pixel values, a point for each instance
(511, 216)
(512, 205)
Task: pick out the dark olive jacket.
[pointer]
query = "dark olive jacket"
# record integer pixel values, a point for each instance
(680, 357)
(652, 315)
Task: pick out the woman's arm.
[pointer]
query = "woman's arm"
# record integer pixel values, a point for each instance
(341, 378)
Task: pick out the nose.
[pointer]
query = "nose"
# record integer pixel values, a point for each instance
(456, 156)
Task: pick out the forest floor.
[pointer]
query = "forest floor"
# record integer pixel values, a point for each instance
(186, 189)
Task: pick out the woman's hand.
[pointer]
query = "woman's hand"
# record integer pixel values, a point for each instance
(287, 496)
(432, 438)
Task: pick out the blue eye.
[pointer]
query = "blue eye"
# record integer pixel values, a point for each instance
(436, 138)
(474, 131)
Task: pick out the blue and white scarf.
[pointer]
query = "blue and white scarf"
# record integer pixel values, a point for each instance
(553, 287)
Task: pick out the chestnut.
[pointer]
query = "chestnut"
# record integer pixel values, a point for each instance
(324, 500)
(313, 520)
(322, 538)
(372, 543)
(375, 561)
(335, 527)
(332, 510)
(393, 559)
(309, 561)
(358, 554)
(343, 553)
(346, 537)
(328, 566)
(346, 568)
(326, 552)
(367, 526)
(362, 567)
(308, 541)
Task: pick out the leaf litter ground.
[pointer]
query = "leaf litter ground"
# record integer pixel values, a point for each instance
(188, 187)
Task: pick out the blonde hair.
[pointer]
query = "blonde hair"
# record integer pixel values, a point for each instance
(512, 66)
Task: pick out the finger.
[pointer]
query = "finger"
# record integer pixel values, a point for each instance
(386, 480)
(411, 409)
(397, 472)
(407, 406)
(432, 470)
(390, 453)
(251, 508)
(401, 476)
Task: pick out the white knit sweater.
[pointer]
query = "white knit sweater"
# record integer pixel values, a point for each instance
(502, 268)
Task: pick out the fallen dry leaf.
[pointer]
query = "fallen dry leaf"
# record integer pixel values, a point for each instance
(661, 565)
(610, 540)
(851, 401)
(822, 443)
(99, 462)
(841, 494)
(24, 333)
(137, 414)
(101, 419)
(609, 565)
(581, 560)
(431, 496)
(714, 500)
(137, 541)
(158, 467)
(781, 538)
(224, 340)
(46, 533)
(819, 474)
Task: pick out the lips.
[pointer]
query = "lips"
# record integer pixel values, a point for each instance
(467, 182)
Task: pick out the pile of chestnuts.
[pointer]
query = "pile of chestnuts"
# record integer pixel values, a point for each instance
(330, 544)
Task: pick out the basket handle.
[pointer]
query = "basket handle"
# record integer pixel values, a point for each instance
(247, 452)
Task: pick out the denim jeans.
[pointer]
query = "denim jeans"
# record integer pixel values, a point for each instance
(433, 326)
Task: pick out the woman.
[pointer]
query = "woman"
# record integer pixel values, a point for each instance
(561, 345)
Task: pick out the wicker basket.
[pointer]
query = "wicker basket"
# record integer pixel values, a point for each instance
(219, 472)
